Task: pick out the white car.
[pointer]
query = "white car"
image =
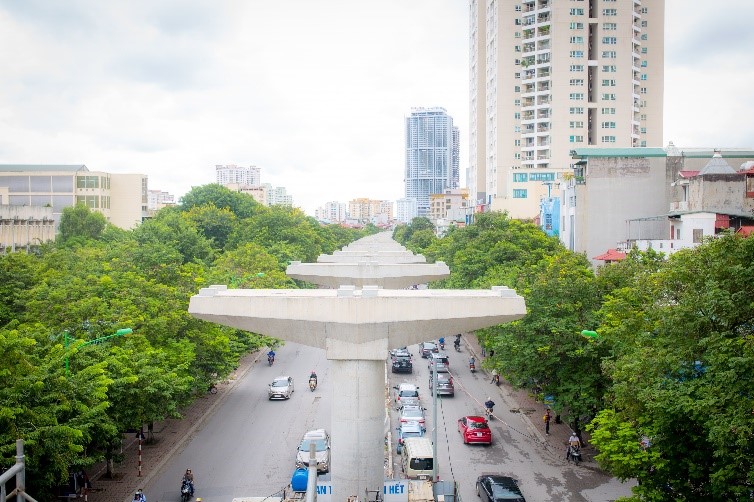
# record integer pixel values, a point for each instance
(412, 414)
(406, 393)
(321, 441)
(281, 388)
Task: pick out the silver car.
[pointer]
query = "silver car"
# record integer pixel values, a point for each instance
(281, 388)
(321, 441)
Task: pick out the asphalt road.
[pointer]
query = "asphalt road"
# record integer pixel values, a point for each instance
(248, 447)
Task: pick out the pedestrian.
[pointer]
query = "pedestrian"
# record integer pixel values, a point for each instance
(546, 418)
(495, 377)
(484, 351)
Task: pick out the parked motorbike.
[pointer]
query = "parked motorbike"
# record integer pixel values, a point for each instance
(186, 490)
(312, 384)
(574, 453)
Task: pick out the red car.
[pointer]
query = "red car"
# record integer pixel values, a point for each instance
(475, 429)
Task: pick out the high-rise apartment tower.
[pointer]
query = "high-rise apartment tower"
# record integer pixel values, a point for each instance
(431, 155)
(548, 76)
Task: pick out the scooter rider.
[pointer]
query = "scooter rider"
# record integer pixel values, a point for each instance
(489, 404)
(271, 355)
(442, 343)
(472, 363)
(313, 378)
(188, 477)
(574, 444)
(457, 342)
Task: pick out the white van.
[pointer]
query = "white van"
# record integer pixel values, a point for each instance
(416, 458)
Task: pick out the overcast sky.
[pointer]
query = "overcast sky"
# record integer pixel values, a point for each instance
(313, 92)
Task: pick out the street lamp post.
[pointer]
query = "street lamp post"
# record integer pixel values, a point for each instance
(120, 332)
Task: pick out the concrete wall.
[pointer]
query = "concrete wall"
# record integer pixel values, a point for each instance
(24, 226)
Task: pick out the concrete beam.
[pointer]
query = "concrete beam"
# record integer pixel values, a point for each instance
(403, 317)
(366, 273)
(378, 256)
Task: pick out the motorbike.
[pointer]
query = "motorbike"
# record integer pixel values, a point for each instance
(270, 359)
(186, 490)
(472, 367)
(574, 453)
(488, 414)
(312, 384)
(457, 345)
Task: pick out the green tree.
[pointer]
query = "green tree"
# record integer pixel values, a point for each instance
(241, 205)
(80, 222)
(682, 376)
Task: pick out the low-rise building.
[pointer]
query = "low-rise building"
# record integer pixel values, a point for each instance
(121, 198)
(25, 227)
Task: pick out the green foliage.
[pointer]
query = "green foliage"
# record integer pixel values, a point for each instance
(241, 205)
(682, 375)
(80, 223)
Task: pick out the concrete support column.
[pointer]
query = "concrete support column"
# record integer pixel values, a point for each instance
(358, 421)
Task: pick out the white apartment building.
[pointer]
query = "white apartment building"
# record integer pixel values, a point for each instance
(366, 210)
(232, 174)
(547, 77)
(332, 212)
(406, 210)
(157, 199)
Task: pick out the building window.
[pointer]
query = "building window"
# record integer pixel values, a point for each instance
(643, 144)
(644, 76)
(576, 139)
(576, 124)
(517, 102)
(643, 64)
(608, 125)
(609, 12)
(608, 139)
(542, 177)
(577, 81)
(608, 83)
(577, 40)
(644, 36)
(643, 90)
(577, 67)
(643, 116)
(576, 96)
(520, 177)
(610, 40)
(577, 12)
(643, 50)
(608, 111)
(576, 110)
(517, 88)
(519, 193)
(608, 97)
(610, 26)
(609, 54)
(516, 142)
(518, 8)
(643, 24)
(517, 75)
(516, 115)
(643, 130)
(644, 10)
(697, 235)
(609, 68)
(577, 54)
(517, 156)
(577, 26)
(87, 182)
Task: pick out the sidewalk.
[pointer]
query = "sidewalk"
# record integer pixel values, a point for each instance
(170, 436)
(532, 412)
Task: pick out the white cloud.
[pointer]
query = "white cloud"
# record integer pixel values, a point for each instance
(313, 93)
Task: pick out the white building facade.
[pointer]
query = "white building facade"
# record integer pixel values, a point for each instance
(405, 210)
(547, 77)
(232, 174)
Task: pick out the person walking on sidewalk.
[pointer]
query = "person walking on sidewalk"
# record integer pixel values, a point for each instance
(546, 418)
(495, 377)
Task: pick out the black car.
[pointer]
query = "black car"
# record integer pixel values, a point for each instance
(402, 365)
(495, 488)
(427, 348)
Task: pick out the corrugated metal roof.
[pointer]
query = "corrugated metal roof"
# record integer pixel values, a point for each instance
(727, 153)
(617, 152)
(42, 167)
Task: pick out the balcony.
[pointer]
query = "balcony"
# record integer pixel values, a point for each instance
(543, 127)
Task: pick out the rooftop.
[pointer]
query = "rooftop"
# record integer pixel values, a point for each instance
(27, 168)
